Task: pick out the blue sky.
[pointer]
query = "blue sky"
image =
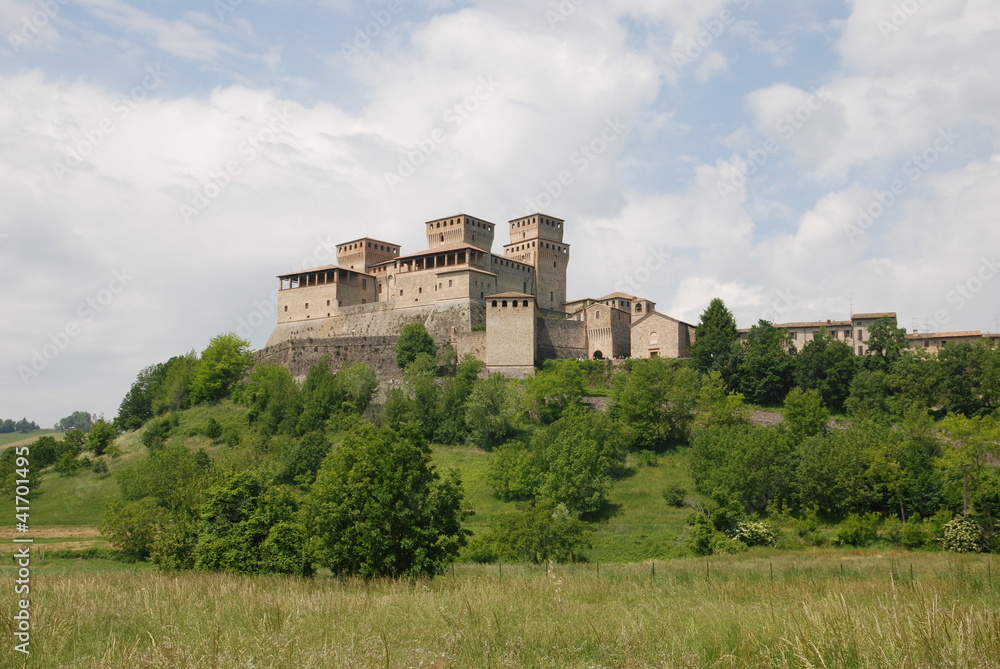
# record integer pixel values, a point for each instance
(162, 162)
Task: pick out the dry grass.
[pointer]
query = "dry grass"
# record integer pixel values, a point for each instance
(722, 612)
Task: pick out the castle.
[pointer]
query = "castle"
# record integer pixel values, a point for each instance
(510, 310)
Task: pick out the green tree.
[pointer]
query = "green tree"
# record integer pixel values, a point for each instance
(871, 396)
(175, 390)
(716, 344)
(101, 435)
(534, 533)
(78, 420)
(273, 400)
(248, 527)
(553, 389)
(413, 340)
(717, 406)
(321, 397)
(766, 368)
(490, 411)
(379, 508)
(514, 474)
(131, 526)
(827, 365)
(454, 394)
(805, 414)
(653, 402)
(357, 383)
(578, 455)
(222, 365)
(886, 343)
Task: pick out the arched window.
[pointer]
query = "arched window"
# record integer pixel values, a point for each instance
(638, 308)
(494, 303)
(654, 339)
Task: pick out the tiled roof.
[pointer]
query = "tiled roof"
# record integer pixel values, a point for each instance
(890, 314)
(324, 268)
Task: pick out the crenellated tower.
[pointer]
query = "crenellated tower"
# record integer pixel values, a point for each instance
(537, 240)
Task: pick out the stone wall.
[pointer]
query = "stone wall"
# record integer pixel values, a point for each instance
(298, 356)
(470, 343)
(559, 338)
(383, 319)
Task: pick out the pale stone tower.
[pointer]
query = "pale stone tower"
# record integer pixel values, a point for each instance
(537, 240)
(511, 337)
(460, 229)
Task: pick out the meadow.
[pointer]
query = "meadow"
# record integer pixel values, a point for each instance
(765, 608)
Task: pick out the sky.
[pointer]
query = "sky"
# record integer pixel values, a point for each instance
(162, 162)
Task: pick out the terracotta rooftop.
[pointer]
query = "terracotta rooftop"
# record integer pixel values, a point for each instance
(944, 335)
(324, 268)
(617, 296)
(517, 295)
(890, 314)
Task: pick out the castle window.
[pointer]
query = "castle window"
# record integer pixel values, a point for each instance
(494, 303)
(795, 335)
(654, 339)
(450, 283)
(420, 290)
(554, 264)
(525, 303)
(286, 307)
(847, 334)
(861, 350)
(860, 338)
(515, 303)
(552, 296)
(307, 305)
(400, 292)
(598, 315)
(504, 303)
(328, 303)
(364, 284)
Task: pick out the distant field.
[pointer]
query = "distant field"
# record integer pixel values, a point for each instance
(20, 438)
(816, 608)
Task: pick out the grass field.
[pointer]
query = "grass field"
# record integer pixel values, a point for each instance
(21, 438)
(823, 608)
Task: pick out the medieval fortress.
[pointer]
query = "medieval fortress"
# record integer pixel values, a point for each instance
(510, 310)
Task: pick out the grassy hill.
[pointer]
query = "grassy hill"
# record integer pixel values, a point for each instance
(22, 438)
(636, 525)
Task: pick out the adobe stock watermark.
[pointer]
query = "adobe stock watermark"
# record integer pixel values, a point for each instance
(900, 16)
(363, 35)
(711, 30)
(632, 283)
(247, 151)
(580, 161)
(914, 170)
(121, 109)
(454, 118)
(963, 293)
(560, 13)
(264, 311)
(786, 126)
(87, 311)
(32, 25)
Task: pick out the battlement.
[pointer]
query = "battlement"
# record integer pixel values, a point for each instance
(460, 229)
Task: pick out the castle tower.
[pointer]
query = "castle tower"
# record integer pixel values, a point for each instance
(460, 229)
(511, 336)
(537, 240)
(361, 254)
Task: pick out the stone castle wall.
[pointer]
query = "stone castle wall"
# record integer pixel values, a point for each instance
(382, 319)
(561, 339)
